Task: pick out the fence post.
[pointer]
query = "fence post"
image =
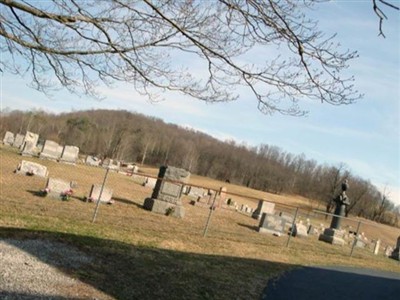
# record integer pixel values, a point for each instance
(209, 215)
(101, 193)
(291, 229)
(355, 239)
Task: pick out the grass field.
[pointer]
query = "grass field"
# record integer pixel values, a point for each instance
(142, 255)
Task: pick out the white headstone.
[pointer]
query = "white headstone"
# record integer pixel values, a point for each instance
(376, 247)
(106, 194)
(263, 207)
(8, 138)
(69, 154)
(150, 182)
(92, 161)
(300, 230)
(111, 164)
(51, 150)
(56, 187)
(196, 192)
(19, 140)
(29, 145)
(31, 168)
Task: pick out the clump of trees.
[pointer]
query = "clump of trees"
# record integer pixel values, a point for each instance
(136, 138)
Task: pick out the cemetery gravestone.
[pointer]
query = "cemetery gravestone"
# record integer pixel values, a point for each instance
(334, 235)
(111, 164)
(29, 145)
(288, 217)
(271, 224)
(396, 252)
(196, 192)
(19, 140)
(312, 230)
(8, 138)
(222, 195)
(166, 197)
(185, 189)
(28, 149)
(106, 194)
(31, 168)
(31, 137)
(150, 182)
(57, 188)
(388, 251)
(92, 161)
(51, 150)
(69, 154)
(263, 207)
(377, 246)
(300, 230)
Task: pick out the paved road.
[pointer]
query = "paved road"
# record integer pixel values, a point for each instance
(334, 283)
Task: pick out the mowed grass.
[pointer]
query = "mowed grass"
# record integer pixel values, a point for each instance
(142, 255)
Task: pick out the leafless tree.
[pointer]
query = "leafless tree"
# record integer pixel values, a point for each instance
(79, 45)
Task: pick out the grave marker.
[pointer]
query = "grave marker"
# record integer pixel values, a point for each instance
(263, 207)
(377, 246)
(58, 188)
(106, 195)
(92, 161)
(69, 154)
(167, 192)
(19, 140)
(51, 150)
(31, 168)
(300, 230)
(396, 252)
(271, 224)
(8, 138)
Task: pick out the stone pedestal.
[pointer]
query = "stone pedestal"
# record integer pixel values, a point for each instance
(333, 236)
(337, 218)
(164, 208)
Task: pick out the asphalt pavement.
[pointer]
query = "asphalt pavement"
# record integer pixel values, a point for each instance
(334, 283)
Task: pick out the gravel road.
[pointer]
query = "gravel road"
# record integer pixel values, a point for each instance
(38, 269)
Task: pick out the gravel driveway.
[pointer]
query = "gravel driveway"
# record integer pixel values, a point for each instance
(38, 269)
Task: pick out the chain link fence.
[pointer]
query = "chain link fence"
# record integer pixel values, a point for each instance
(114, 195)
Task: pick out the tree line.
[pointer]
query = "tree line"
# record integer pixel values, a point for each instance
(132, 137)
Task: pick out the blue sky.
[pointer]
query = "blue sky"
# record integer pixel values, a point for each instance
(364, 136)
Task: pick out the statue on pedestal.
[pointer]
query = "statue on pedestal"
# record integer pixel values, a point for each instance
(333, 234)
(341, 202)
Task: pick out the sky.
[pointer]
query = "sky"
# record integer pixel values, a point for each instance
(364, 136)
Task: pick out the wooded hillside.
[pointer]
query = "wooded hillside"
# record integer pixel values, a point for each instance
(133, 137)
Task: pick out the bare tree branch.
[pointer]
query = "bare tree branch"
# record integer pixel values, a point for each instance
(200, 48)
(381, 15)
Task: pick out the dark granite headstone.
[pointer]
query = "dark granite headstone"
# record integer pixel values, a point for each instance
(166, 197)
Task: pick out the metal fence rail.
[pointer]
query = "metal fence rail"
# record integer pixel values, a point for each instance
(211, 212)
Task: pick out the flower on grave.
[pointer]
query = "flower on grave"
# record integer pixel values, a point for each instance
(66, 194)
(30, 172)
(45, 191)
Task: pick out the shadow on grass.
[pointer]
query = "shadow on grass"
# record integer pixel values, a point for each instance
(253, 228)
(39, 194)
(127, 201)
(126, 271)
